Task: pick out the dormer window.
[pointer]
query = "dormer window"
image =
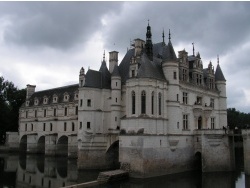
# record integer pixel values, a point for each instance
(36, 101)
(45, 100)
(55, 98)
(76, 96)
(27, 103)
(66, 97)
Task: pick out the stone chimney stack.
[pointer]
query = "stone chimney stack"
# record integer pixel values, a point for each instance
(139, 45)
(30, 90)
(113, 60)
(82, 77)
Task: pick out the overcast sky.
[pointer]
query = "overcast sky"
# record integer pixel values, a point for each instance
(46, 43)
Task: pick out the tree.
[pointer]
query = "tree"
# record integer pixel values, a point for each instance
(11, 99)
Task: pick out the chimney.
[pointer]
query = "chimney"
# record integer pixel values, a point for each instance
(30, 90)
(113, 60)
(82, 77)
(139, 45)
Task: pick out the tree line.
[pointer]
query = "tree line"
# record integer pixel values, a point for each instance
(11, 99)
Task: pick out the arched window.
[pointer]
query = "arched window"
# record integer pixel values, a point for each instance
(159, 103)
(152, 103)
(143, 102)
(133, 102)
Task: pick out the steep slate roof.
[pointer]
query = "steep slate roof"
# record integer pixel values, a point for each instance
(149, 69)
(116, 71)
(106, 76)
(71, 89)
(169, 53)
(218, 74)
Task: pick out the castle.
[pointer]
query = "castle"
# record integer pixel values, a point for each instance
(154, 113)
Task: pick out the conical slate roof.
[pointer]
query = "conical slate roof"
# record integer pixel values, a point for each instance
(219, 74)
(149, 69)
(169, 53)
(116, 71)
(106, 76)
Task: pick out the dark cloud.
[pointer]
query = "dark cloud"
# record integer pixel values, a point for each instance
(54, 24)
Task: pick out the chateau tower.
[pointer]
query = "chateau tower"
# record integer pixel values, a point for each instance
(220, 82)
(82, 77)
(170, 68)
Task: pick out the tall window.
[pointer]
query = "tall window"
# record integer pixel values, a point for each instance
(51, 127)
(143, 102)
(152, 103)
(88, 125)
(44, 126)
(76, 110)
(159, 103)
(185, 121)
(26, 115)
(65, 111)
(212, 103)
(133, 102)
(89, 102)
(31, 126)
(133, 73)
(199, 100)
(65, 126)
(80, 125)
(175, 75)
(73, 126)
(44, 113)
(26, 127)
(35, 113)
(185, 98)
(212, 123)
(54, 111)
(81, 102)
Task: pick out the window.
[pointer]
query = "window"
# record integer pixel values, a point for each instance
(88, 125)
(65, 126)
(212, 103)
(133, 102)
(31, 126)
(54, 111)
(81, 83)
(44, 126)
(76, 110)
(199, 100)
(89, 102)
(26, 115)
(185, 122)
(175, 75)
(133, 73)
(26, 127)
(115, 83)
(65, 111)
(73, 126)
(44, 113)
(177, 97)
(42, 182)
(115, 99)
(115, 118)
(51, 126)
(159, 103)
(212, 123)
(35, 113)
(185, 98)
(143, 102)
(81, 102)
(152, 103)
(184, 74)
(80, 125)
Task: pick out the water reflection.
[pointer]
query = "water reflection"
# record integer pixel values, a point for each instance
(50, 172)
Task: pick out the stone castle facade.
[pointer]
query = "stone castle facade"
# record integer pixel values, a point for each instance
(154, 109)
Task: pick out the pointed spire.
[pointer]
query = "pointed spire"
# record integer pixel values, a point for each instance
(193, 48)
(149, 44)
(169, 36)
(219, 74)
(163, 36)
(104, 55)
(218, 60)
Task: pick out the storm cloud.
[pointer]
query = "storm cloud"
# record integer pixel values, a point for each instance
(46, 43)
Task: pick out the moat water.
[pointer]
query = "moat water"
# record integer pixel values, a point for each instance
(51, 172)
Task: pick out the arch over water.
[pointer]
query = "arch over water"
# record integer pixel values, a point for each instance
(23, 144)
(198, 161)
(62, 146)
(112, 154)
(41, 145)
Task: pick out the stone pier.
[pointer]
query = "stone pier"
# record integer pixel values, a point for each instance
(246, 149)
(50, 145)
(72, 146)
(32, 143)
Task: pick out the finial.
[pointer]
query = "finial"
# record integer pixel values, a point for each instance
(104, 55)
(218, 59)
(193, 48)
(169, 35)
(163, 36)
